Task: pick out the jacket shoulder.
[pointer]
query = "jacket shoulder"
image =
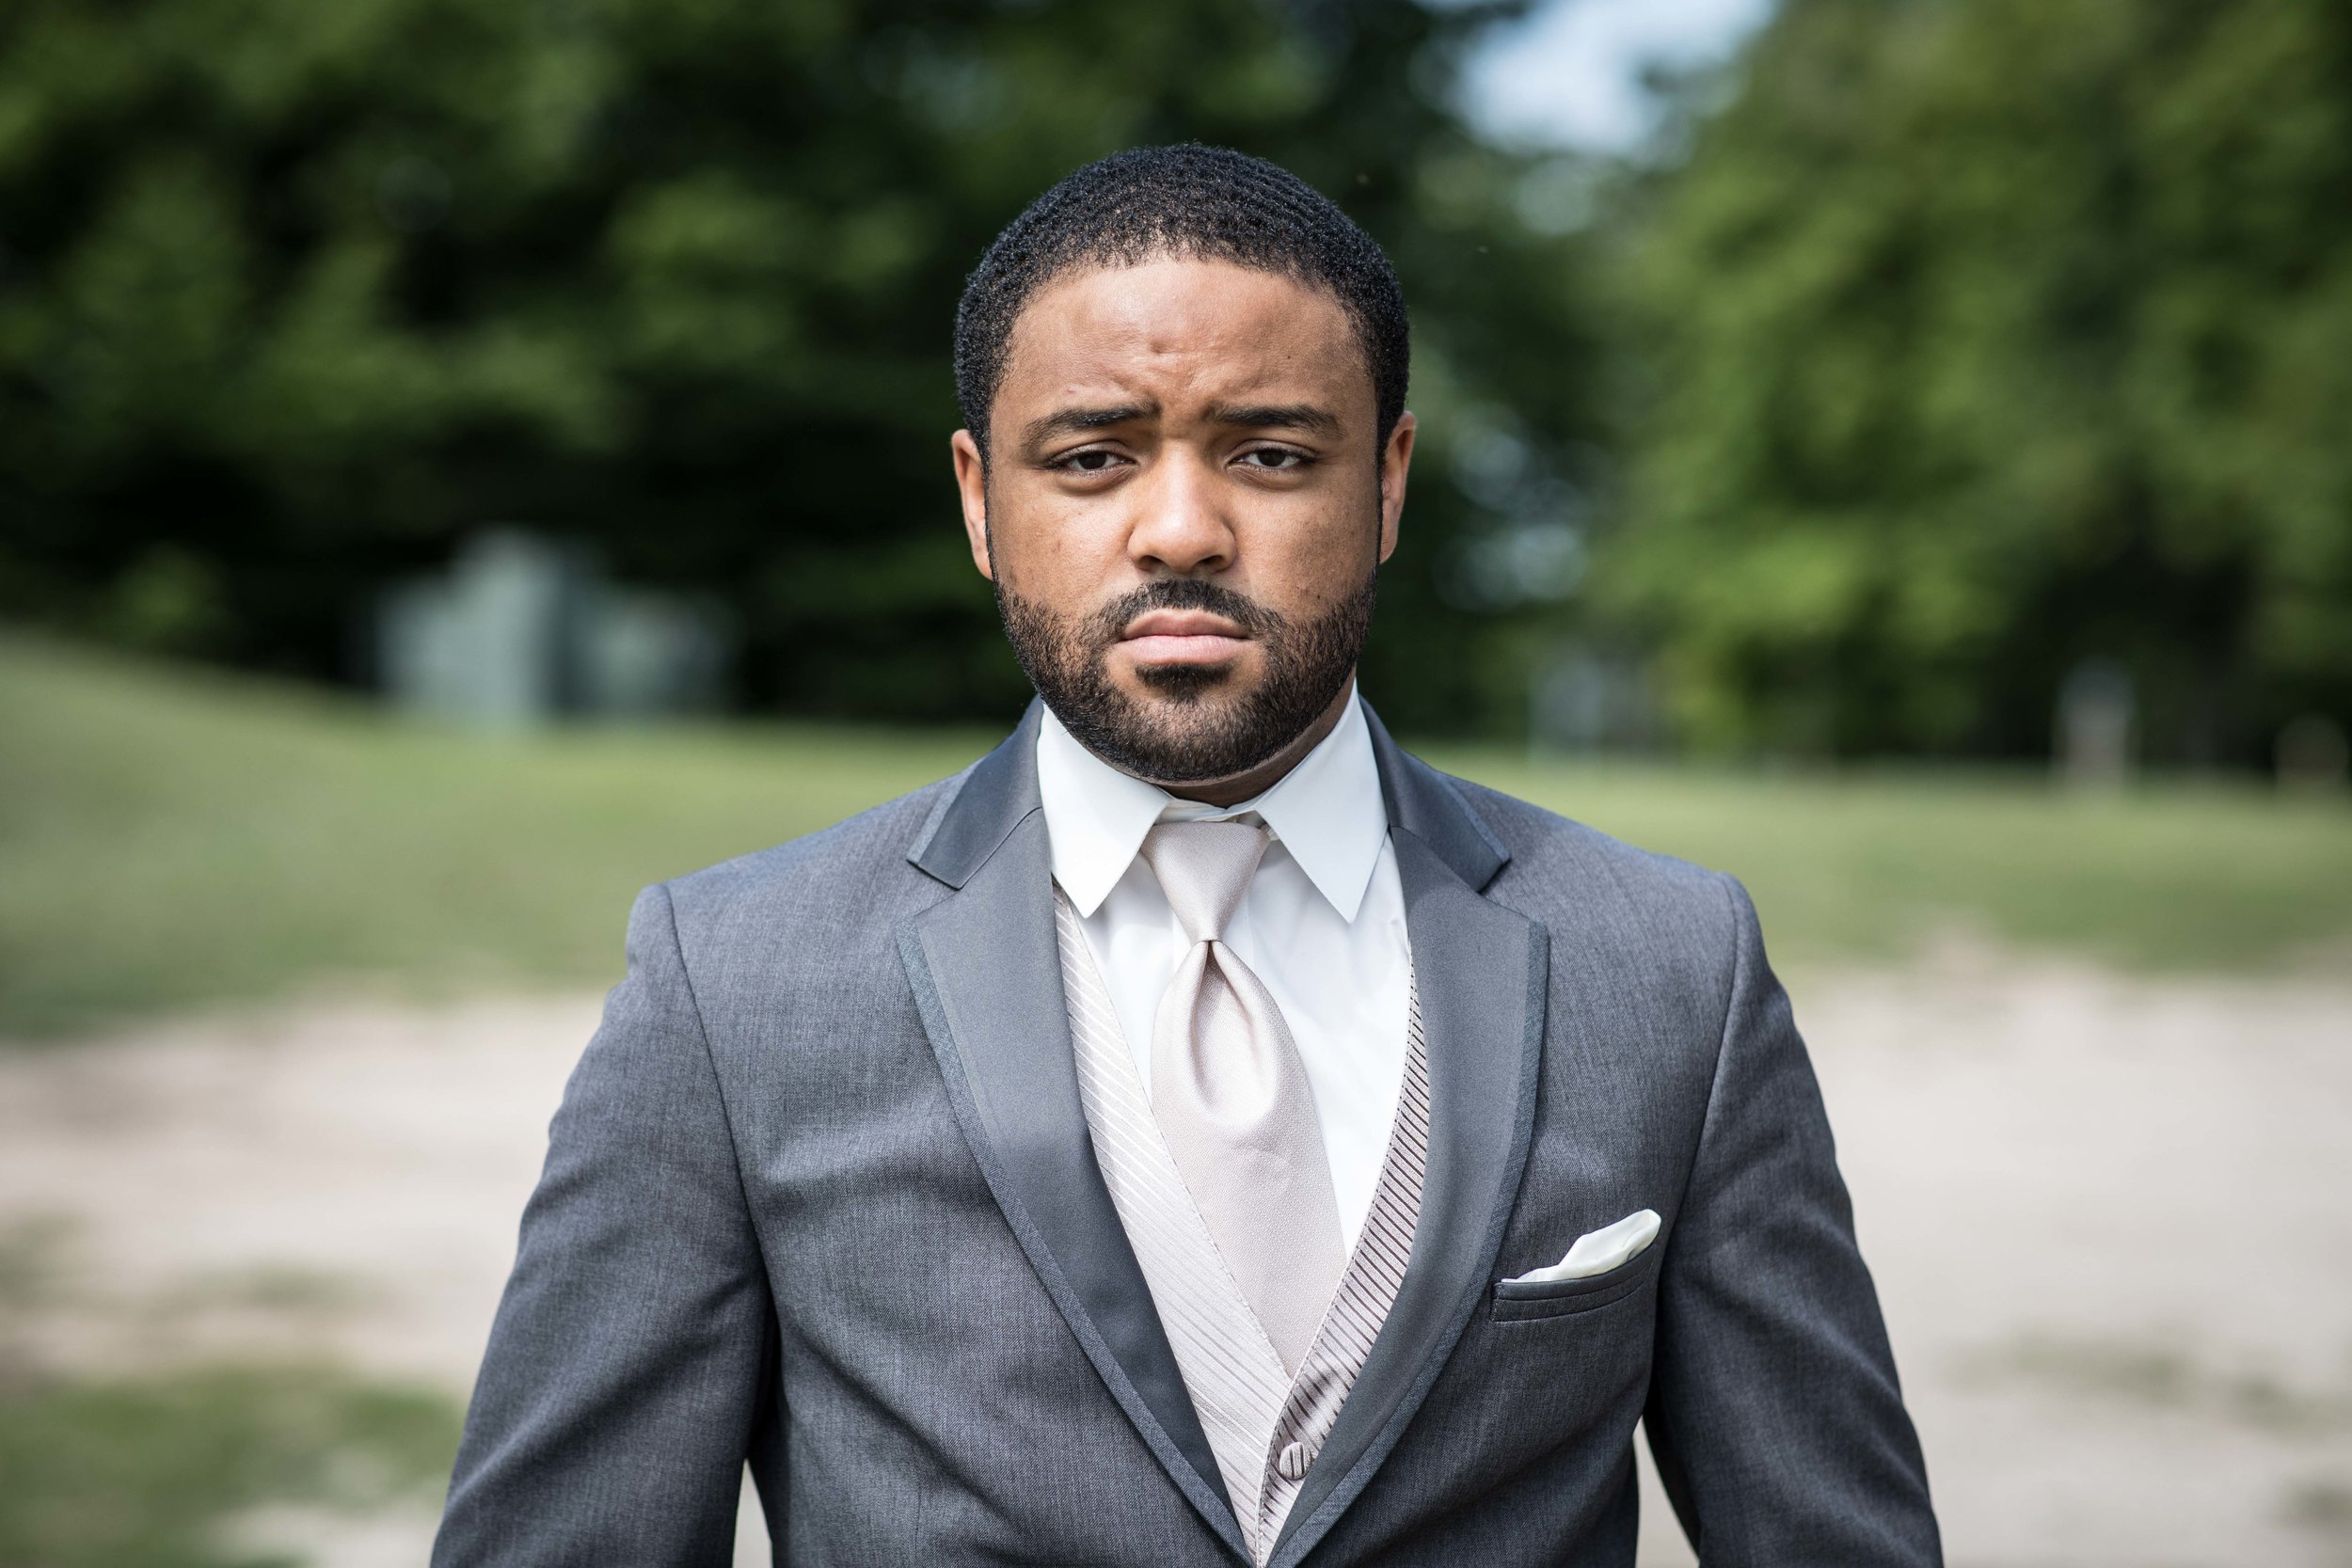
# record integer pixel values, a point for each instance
(1560, 867)
(851, 874)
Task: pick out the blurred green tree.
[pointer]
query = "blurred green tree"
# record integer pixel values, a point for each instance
(1984, 337)
(295, 297)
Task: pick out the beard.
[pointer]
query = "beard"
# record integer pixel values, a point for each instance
(1199, 728)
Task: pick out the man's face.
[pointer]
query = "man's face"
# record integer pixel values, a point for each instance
(1184, 507)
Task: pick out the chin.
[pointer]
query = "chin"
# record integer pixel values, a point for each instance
(1234, 677)
(1188, 685)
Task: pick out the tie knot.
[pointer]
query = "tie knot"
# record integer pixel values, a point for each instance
(1204, 868)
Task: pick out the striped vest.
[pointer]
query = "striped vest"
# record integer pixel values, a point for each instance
(1263, 1424)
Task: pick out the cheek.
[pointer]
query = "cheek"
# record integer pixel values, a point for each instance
(1310, 557)
(1048, 547)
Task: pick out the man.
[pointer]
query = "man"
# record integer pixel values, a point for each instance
(1198, 1132)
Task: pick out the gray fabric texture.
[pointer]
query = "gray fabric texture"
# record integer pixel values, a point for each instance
(820, 1196)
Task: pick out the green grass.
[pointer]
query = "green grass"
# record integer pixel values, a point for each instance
(175, 837)
(152, 1472)
(2191, 876)
(172, 838)
(175, 1467)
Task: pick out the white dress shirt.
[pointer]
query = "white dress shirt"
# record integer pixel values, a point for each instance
(1323, 924)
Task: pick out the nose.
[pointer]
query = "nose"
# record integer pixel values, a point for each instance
(1180, 528)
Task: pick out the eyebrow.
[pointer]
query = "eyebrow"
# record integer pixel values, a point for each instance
(1075, 421)
(1303, 417)
(1279, 416)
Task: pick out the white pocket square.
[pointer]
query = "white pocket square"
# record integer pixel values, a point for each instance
(1598, 1251)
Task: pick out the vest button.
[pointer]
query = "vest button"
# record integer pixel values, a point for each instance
(1293, 1461)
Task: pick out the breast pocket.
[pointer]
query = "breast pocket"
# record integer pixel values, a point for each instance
(1516, 1301)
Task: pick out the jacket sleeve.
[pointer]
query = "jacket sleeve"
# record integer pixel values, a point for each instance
(628, 1364)
(1774, 1412)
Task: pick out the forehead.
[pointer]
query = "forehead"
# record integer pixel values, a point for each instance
(1180, 330)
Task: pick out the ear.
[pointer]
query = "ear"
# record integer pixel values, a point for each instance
(972, 486)
(1395, 459)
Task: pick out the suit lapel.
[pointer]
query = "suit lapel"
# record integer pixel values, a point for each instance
(1482, 970)
(987, 978)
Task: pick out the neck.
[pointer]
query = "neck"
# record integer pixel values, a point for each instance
(1236, 788)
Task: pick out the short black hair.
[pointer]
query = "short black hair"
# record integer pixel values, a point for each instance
(1193, 202)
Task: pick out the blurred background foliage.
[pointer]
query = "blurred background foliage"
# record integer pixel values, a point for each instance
(1984, 337)
(296, 298)
(1934, 348)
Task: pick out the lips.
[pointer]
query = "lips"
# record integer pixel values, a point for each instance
(1181, 637)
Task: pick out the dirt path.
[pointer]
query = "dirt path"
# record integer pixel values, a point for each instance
(2111, 1220)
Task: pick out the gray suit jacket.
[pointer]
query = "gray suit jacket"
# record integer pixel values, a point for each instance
(820, 1196)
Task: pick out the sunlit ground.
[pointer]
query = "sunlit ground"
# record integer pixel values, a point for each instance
(294, 988)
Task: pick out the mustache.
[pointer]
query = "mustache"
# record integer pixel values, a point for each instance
(1109, 623)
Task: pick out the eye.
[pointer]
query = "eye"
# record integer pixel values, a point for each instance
(1087, 460)
(1273, 459)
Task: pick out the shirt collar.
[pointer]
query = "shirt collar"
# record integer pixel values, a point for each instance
(1326, 812)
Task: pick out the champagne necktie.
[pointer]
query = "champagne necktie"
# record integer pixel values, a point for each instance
(1230, 1094)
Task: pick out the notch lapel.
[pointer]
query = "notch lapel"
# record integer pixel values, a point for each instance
(1482, 970)
(986, 971)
